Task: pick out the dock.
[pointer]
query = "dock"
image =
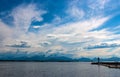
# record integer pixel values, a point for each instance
(108, 64)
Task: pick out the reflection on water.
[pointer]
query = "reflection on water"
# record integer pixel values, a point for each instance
(55, 69)
(99, 71)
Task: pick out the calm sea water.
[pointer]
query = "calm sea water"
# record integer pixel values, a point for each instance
(55, 69)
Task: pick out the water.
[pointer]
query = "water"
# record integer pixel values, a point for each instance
(55, 69)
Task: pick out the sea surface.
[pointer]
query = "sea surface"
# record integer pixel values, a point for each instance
(55, 69)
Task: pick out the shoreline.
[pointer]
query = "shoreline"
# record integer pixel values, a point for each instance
(37, 61)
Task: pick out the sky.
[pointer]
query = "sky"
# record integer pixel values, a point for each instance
(75, 28)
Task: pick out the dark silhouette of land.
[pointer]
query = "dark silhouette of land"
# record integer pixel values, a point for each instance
(107, 64)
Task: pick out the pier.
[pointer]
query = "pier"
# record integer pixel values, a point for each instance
(108, 64)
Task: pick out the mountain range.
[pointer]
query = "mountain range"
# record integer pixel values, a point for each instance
(56, 57)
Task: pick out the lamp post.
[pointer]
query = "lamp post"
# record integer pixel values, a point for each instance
(98, 60)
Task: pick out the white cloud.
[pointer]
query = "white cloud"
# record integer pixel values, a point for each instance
(5, 33)
(80, 9)
(36, 27)
(78, 31)
(24, 15)
(75, 12)
(97, 4)
(70, 38)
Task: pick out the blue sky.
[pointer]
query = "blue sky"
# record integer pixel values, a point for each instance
(81, 28)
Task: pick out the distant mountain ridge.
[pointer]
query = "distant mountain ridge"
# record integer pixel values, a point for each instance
(56, 57)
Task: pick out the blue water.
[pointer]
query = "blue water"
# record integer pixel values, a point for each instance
(55, 69)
